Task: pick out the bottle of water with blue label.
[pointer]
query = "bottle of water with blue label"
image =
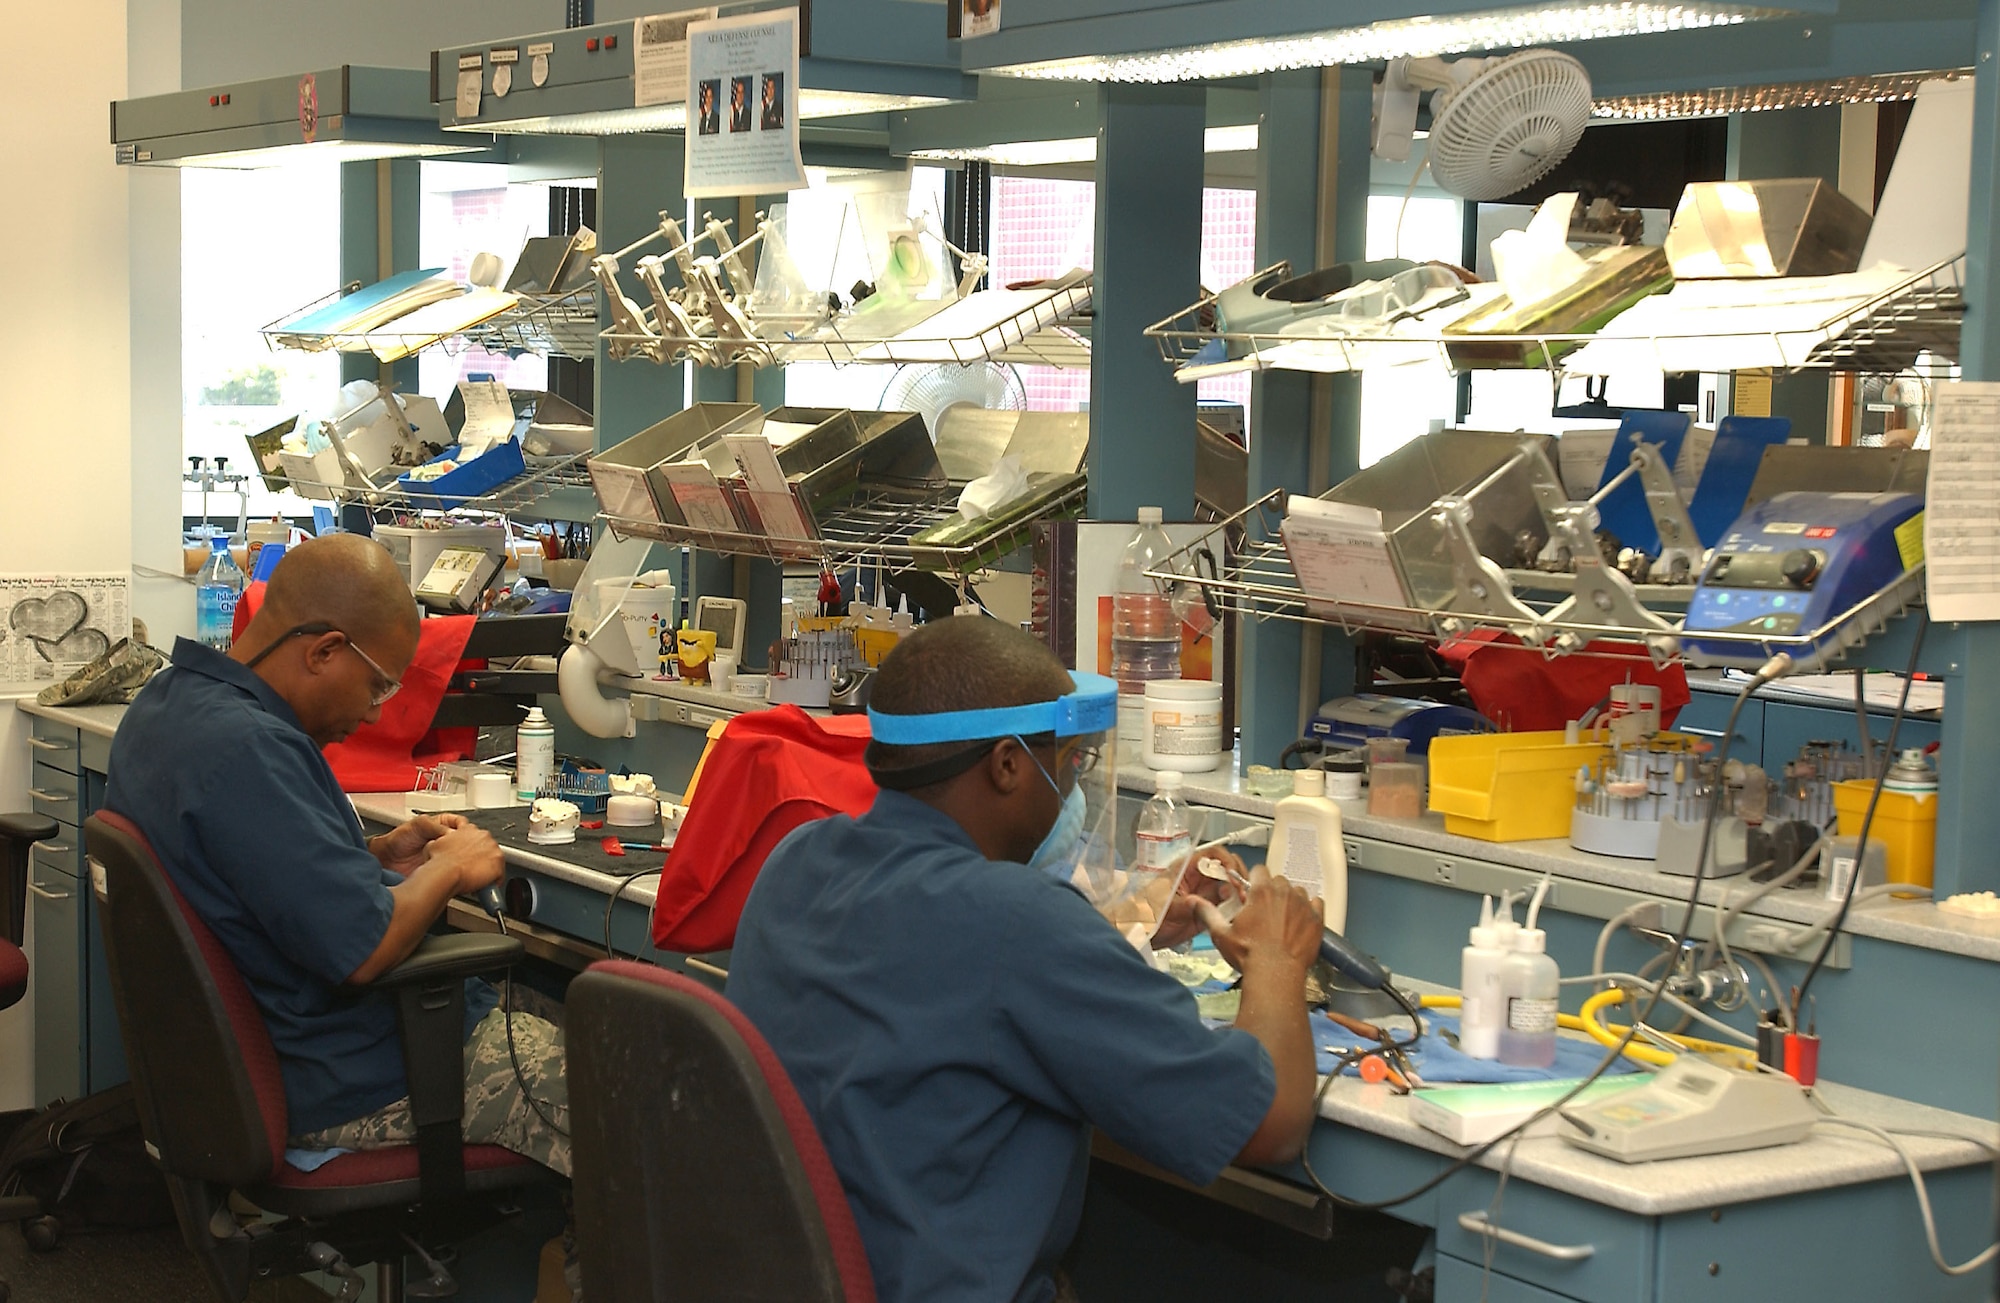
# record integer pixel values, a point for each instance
(215, 594)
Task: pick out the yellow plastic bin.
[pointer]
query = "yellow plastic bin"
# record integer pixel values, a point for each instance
(1905, 824)
(1508, 787)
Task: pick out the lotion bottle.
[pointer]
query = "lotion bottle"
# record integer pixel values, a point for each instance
(1480, 966)
(1306, 846)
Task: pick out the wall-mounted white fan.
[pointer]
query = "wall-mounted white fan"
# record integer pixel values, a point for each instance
(1497, 124)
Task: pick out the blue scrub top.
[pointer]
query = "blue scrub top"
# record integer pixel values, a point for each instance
(955, 1027)
(249, 821)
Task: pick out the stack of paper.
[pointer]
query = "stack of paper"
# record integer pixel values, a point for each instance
(341, 323)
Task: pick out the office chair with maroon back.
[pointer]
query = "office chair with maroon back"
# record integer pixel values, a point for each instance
(699, 1174)
(212, 1102)
(18, 835)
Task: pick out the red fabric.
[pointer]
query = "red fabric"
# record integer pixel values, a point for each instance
(850, 1256)
(384, 1166)
(13, 974)
(769, 772)
(386, 755)
(1522, 690)
(253, 1039)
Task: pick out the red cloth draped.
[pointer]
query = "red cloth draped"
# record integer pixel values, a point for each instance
(1522, 690)
(769, 772)
(386, 755)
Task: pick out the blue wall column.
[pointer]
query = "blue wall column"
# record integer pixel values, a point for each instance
(1305, 431)
(361, 247)
(1968, 844)
(759, 583)
(1148, 266)
(638, 178)
(1281, 402)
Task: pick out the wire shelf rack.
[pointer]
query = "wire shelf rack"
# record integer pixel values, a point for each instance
(550, 325)
(517, 497)
(1881, 331)
(876, 529)
(1241, 567)
(1045, 332)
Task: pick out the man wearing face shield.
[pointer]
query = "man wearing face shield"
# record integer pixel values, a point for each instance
(940, 982)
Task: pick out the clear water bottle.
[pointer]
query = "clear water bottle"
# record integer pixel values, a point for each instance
(1162, 832)
(1145, 632)
(215, 594)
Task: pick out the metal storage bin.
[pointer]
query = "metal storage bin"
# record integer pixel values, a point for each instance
(626, 477)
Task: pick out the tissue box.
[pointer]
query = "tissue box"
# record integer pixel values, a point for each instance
(481, 475)
(1614, 279)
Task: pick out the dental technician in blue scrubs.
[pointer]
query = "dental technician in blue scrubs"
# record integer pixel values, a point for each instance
(955, 984)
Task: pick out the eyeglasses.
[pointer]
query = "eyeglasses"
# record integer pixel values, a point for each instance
(1079, 756)
(388, 684)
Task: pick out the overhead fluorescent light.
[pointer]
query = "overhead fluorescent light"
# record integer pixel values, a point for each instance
(1880, 89)
(320, 151)
(1079, 149)
(813, 104)
(1493, 29)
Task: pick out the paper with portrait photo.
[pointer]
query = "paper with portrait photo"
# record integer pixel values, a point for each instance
(748, 143)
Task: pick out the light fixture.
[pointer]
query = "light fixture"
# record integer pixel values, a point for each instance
(346, 114)
(1078, 149)
(1881, 88)
(1491, 29)
(813, 104)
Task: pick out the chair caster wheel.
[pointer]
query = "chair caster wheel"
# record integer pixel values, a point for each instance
(42, 1233)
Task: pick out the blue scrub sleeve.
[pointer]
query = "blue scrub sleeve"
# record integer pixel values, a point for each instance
(294, 858)
(1122, 1045)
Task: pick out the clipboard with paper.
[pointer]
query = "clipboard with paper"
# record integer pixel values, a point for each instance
(1343, 557)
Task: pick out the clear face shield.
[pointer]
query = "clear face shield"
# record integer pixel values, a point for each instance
(1086, 846)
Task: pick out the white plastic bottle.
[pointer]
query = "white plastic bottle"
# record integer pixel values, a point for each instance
(1530, 981)
(1479, 974)
(534, 754)
(215, 594)
(1162, 830)
(1145, 632)
(1306, 846)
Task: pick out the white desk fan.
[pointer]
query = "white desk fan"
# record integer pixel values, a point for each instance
(1498, 124)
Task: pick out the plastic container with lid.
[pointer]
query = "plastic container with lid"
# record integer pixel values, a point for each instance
(1396, 791)
(1344, 773)
(1306, 846)
(1183, 725)
(1145, 632)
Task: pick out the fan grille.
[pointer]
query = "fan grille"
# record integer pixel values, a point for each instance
(1508, 126)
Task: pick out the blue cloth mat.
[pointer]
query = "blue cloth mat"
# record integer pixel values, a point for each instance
(1437, 1062)
(311, 1160)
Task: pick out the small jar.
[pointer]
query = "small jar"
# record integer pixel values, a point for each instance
(1343, 777)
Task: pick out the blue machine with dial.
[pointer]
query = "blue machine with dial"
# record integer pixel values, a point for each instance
(1790, 565)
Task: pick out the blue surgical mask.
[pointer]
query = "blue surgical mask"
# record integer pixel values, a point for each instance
(1056, 856)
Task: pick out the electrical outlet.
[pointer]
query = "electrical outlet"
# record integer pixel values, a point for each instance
(1353, 849)
(1447, 871)
(1769, 938)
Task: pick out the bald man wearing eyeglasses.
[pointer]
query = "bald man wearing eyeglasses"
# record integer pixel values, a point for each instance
(218, 762)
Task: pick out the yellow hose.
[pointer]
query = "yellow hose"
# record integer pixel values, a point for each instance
(1586, 1021)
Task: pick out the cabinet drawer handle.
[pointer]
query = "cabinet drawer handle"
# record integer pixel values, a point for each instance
(1476, 1224)
(60, 848)
(1705, 732)
(43, 744)
(51, 797)
(45, 893)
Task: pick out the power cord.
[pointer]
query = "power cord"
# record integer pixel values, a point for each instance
(1971, 1264)
(612, 904)
(1868, 819)
(1771, 669)
(491, 899)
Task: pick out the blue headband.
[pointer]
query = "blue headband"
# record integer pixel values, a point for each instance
(1092, 708)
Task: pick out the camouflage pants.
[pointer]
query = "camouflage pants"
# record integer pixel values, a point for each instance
(496, 1113)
